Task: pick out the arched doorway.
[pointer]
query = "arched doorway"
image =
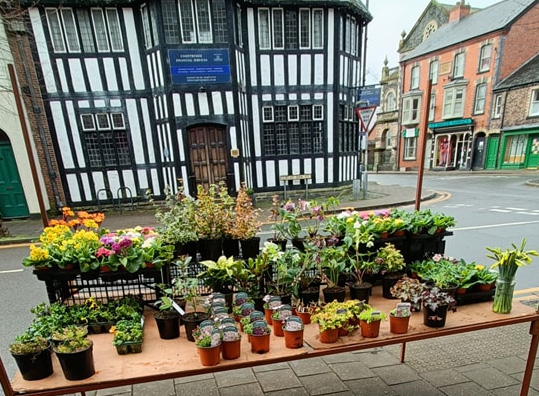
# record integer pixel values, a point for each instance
(12, 199)
(208, 154)
(479, 151)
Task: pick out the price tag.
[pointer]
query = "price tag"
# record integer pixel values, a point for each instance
(178, 308)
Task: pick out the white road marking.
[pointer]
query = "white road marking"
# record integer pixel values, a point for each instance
(529, 213)
(11, 271)
(517, 209)
(494, 225)
(501, 210)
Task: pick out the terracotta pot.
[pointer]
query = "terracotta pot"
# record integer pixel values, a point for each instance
(267, 314)
(278, 327)
(305, 317)
(329, 336)
(398, 325)
(231, 349)
(293, 339)
(461, 291)
(370, 330)
(343, 331)
(209, 356)
(484, 288)
(260, 343)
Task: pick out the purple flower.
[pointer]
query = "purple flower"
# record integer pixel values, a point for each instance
(290, 207)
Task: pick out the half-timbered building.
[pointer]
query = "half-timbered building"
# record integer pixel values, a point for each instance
(144, 95)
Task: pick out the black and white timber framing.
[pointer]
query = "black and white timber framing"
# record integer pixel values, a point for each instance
(141, 94)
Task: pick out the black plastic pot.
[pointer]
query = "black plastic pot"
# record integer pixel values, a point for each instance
(168, 325)
(191, 320)
(34, 366)
(360, 291)
(334, 293)
(435, 317)
(311, 294)
(250, 248)
(231, 247)
(388, 281)
(210, 249)
(77, 365)
(187, 248)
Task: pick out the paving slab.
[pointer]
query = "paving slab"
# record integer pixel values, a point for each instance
(351, 370)
(445, 377)
(118, 390)
(416, 388)
(161, 388)
(277, 380)
(370, 387)
(205, 387)
(341, 358)
(490, 378)
(234, 377)
(534, 383)
(309, 366)
(323, 384)
(396, 374)
(271, 367)
(465, 389)
(253, 389)
(377, 358)
(289, 392)
(513, 390)
(509, 365)
(193, 378)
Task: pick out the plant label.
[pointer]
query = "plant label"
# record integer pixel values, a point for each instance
(178, 308)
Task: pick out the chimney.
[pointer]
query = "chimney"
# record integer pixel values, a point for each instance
(460, 10)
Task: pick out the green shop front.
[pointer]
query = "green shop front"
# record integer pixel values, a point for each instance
(520, 148)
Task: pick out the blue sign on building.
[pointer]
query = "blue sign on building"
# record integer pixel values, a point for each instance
(199, 66)
(368, 95)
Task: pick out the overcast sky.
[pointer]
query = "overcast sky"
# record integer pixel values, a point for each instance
(390, 18)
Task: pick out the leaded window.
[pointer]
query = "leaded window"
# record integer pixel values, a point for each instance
(278, 28)
(72, 38)
(318, 28)
(220, 21)
(304, 28)
(55, 30)
(171, 23)
(100, 30)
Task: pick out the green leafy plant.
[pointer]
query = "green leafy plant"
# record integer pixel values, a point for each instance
(27, 343)
(73, 345)
(389, 259)
(372, 315)
(127, 331)
(220, 274)
(213, 211)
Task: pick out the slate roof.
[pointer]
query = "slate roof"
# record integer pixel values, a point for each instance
(526, 74)
(496, 17)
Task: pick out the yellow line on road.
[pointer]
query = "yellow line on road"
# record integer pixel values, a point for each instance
(531, 290)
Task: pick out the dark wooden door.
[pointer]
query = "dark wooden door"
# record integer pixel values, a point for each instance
(208, 155)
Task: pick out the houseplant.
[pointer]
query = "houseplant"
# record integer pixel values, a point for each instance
(32, 356)
(369, 322)
(246, 224)
(128, 336)
(329, 321)
(76, 358)
(293, 332)
(278, 223)
(333, 265)
(193, 318)
(436, 303)
(231, 342)
(220, 274)
(409, 290)
(259, 336)
(507, 262)
(167, 319)
(280, 314)
(390, 262)
(399, 318)
(208, 341)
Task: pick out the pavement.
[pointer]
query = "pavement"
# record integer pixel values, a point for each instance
(486, 362)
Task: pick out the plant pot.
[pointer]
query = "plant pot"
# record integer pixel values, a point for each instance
(168, 325)
(187, 248)
(286, 299)
(311, 294)
(279, 242)
(191, 320)
(483, 287)
(329, 336)
(436, 317)
(259, 303)
(34, 366)
(293, 339)
(210, 249)
(231, 349)
(268, 314)
(388, 281)
(210, 356)
(278, 327)
(398, 324)
(370, 330)
(77, 365)
(250, 248)
(298, 244)
(182, 303)
(360, 291)
(129, 347)
(260, 343)
(343, 331)
(231, 247)
(305, 317)
(334, 293)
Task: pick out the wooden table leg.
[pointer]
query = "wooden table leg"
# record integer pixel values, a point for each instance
(403, 351)
(526, 380)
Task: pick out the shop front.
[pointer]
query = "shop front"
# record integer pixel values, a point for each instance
(520, 149)
(452, 144)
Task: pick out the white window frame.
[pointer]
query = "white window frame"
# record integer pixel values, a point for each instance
(485, 58)
(432, 108)
(89, 117)
(353, 36)
(391, 105)
(70, 30)
(453, 107)
(318, 28)
(497, 112)
(192, 34)
(480, 98)
(200, 34)
(433, 71)
(55, 30)
(318, 108)
(103, 116)
(458, 67)
(239, 26)
(270, 112)
(410, 113)
(98, 39)
(115, 29)
(264, 36)
(291, 110)
(347, 35)
(117, 126)
(414, 77)
(275, 28)
(304, 15)
(534, 103)
(410, 143)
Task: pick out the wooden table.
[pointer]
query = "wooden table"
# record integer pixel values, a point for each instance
(166, 359)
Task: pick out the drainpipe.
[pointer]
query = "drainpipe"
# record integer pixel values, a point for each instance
(37, 111)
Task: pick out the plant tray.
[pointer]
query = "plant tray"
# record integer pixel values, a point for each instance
(474, 297)
(131, 347)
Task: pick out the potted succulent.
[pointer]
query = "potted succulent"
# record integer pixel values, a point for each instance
(259, 336)
(177, 222)
(369, 322)
(409, 290)
(399, 317)
(208, 341)
(231, 342)
(167, 319)
(32, 356)
(436, 303)
(76, 358)
(280, 314)
(128, 336)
